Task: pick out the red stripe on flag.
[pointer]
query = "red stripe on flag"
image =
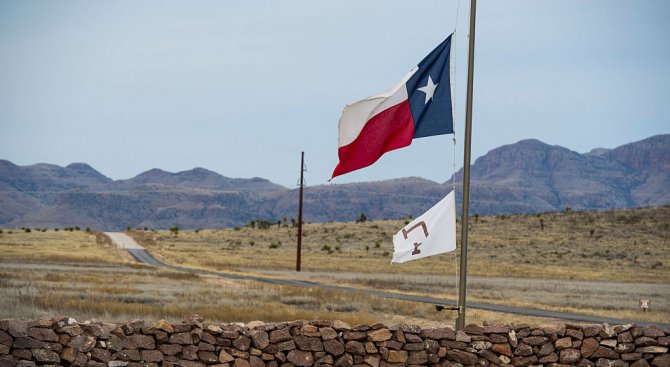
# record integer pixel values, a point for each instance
(391, 129)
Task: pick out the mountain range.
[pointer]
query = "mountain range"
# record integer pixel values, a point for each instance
(526, 177)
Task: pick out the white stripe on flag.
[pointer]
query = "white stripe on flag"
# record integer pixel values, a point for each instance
(356, 115)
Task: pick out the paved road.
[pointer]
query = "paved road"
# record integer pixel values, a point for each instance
(122, 240)
(143, 256)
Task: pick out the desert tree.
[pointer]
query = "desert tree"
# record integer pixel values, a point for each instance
(362, 218)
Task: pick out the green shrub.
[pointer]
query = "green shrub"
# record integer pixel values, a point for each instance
(362, 218)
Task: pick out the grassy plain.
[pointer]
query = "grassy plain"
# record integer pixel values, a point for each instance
(58, 246)
(597, 263)
(619, 245)
(118, 292)
(82, 275)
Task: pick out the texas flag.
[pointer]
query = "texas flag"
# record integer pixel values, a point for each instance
(419, 106)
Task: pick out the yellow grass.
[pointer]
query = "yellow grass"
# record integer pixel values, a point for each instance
(595, 250)
(622, 245)
(28, 291)
(613, 258)
(61, 246)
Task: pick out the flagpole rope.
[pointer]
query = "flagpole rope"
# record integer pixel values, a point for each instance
(453, 98)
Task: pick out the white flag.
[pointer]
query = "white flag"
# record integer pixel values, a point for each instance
(432, 233)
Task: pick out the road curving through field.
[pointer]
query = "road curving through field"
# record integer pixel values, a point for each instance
(140, 254)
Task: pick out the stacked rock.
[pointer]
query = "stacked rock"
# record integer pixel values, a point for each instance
(195, 343)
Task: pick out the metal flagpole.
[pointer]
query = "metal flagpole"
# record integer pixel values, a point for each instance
(460, 322)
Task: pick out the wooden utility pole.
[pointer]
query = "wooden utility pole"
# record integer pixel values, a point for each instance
(302, 183)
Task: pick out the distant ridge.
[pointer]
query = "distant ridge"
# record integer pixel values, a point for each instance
(526, 177)
(199, 178)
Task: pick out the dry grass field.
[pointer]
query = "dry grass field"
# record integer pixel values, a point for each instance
(121, 292)
(58, 246)
(82, 275)
(599, 263)
(622, 245)
(583, 262)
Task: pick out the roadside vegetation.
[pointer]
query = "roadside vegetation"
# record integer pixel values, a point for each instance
(582, 262)
(598, 263)
(66, 245)
(127, 292)
(617, 245)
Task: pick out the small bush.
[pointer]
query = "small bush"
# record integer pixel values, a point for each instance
(341, 308)
(299, 301)
(263, 224)
(362, 218)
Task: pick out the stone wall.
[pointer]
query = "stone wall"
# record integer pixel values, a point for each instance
(195, 343)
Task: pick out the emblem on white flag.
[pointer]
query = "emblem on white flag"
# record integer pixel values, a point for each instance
(432, 233)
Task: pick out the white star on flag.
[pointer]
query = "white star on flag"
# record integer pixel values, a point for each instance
(429, 89)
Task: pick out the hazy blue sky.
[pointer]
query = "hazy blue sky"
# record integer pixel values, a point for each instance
(242, 87)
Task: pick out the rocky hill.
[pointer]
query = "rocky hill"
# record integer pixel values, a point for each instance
(526, 177)
(531, 176)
